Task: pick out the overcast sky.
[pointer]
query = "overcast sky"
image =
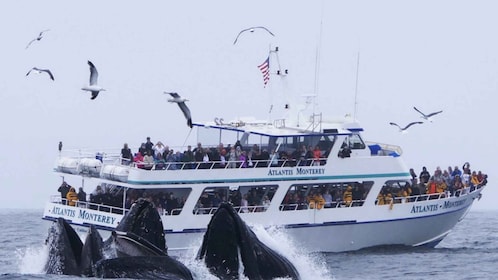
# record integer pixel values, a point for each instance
(436, 55)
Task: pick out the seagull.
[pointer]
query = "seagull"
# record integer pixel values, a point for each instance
(181, 103)
(40, 36)
(93, 87)
(39, 71)
(403, 129)
(252, 30)
(427, 117)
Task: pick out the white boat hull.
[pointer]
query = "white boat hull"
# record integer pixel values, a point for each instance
(423, 223)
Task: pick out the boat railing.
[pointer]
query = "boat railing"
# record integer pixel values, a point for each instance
(239, 209)
(227, 164)
(334, 204)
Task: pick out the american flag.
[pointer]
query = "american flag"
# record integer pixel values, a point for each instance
(265, 69)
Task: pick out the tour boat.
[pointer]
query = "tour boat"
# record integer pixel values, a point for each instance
(361, 183)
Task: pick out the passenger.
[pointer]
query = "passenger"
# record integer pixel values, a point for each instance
(317, 154)
(72, 197)
(243, 159)
(149, 146)
(126, 156)
(447, 180)
(311, 200)
(148, 160)
(274, 157)
(414, 177)
(138, 160)
(328, 199)
(82, 198)
(232, 158)
(238, 144)
(244, 204)
(431, 187)
(198, 152)
(474, 181)
(456, 172)
(441, 188)
(264, 157)
(64, 189)
(347, 196)
(381, 199)
(188, 157)
(466, 167)
(319, 200)
(466, 178)
(457, 185)
(158, 148)
(159, 162)
(424, 176)
(402, 194)
(223, 160)
(266, 202)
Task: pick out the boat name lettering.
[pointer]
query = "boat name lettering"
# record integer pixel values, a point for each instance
(277, 172)
(451, 204)
(96, 217)
(64, 212)
(424, 208)
(299, 171)
(311, 171)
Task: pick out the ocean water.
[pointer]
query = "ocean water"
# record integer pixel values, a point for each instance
(470, 251)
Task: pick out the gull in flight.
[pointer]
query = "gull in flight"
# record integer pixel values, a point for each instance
(39, 71)
(40, 36)
(181, 103)
(403, 129)
(251, 29)
(428, 116)
(93, 87)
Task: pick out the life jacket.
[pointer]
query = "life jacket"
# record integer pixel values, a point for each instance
(432, 187)
(319, 201)
(348, 197)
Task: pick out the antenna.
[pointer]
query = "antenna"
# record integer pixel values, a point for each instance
(317, 58)
(356, 88)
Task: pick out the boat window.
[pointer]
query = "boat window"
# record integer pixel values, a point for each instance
(326, 195)
(168, 201)
(245, 199)
(355, 142)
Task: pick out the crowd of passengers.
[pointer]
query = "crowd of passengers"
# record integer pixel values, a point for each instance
(442, 183)
(255, 200)
(159, 156)
(348, 195)
(165, 202)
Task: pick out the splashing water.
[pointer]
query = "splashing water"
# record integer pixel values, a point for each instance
(310, 266)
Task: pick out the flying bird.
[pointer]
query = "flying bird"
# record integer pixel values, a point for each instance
(181, 103)
(94, 88)
(40, 36)
(403, 129)
(428, 116)
(251, 29)
(39, 71)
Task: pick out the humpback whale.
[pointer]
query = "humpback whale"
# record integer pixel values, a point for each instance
(227, 238)
(137, 249)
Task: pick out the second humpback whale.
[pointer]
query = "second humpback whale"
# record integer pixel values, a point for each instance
(227, 238)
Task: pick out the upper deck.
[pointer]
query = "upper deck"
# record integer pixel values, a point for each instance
(261, 151)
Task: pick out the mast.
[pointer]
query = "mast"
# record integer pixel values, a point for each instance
(356, 87)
